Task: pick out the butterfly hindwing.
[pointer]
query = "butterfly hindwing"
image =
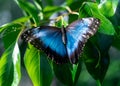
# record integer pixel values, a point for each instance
(48, 39)
(77, 35)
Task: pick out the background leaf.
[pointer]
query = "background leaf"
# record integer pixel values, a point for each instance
(39, 6)
(10, 66)
(63, 73)
(10, 31)
(30, 10)
(39, 71)
(96, 62)
(89, 9)
(45, 70)
(74, 7)
(49, 10)
(10, 61)
(16, 63)
(33, 65)
(68, 74)
(6, 68)
(96, 56)
(108, 7)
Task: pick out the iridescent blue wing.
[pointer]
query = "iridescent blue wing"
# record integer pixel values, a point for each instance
(77, 35)
(48, 39)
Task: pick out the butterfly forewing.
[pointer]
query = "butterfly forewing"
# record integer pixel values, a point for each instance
(48, 39)
(77, 35)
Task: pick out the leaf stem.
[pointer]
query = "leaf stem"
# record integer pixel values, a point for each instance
(98, 83)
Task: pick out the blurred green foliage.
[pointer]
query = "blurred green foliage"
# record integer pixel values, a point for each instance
(94, 62)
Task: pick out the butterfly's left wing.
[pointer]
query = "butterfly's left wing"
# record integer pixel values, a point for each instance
(48, 39)
(77, 35)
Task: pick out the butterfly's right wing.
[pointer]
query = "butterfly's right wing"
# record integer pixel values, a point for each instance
(77, 34)
(48, 39)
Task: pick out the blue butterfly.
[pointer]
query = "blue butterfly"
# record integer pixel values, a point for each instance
(63, 44)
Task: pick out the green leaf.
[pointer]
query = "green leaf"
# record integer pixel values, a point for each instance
(75, 7)
(69, 1)
(39, 6)
(10, 32)
(10, 36)
(49, 2)
(98, 1)
(49, 10)
(67, 73)
(10, 61)
(61, 23)
(72, 17)
(21, 20)
(102, 41)
(96, 62)
(63, 73)
(76, 72)
(16, 63)
(116, 41)
(10, 66)
(108, 7)
(8, 28)
(32, 64)
(98, 83)
(38, 69)
(6, 68)
(13, 26)
(30, 9)
(89, 9)
(96, 56)
(46, 72)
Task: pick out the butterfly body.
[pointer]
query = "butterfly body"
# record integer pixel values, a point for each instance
(63, 45)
